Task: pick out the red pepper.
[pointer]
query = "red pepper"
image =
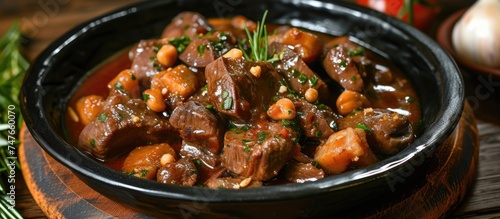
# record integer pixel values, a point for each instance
(419, 13)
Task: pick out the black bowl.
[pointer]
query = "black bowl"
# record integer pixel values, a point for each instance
(54, 76)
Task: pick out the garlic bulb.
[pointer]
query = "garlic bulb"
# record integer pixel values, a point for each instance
(476, 36)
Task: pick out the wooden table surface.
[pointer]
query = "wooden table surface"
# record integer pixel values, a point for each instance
(46, 20)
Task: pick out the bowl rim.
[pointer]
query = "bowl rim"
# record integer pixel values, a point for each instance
(51, 142)
(443, 37)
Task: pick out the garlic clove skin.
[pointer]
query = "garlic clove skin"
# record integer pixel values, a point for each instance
(476, 36)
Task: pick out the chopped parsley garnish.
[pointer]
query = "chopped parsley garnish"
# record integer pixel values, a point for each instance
(261, 137)
(343, 64)
(353, 78)
(197, 162)
(103, 117)
(245, 128)
(302, 79)
(92, 142)
(313, 81)
(132, 77)
(364, 127)
(246, 149)
(409, 99)
(180, 43)
(119, 85)
(228, 103)
(145, 97)
(209, 106)
(225, 94)
(357, 52)
(318, 134)
(295, 73)
(144, 173)
(201, 49)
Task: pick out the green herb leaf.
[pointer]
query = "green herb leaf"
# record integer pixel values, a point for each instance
(258, 41)
(364, 127)
(103, 117)
(227, 104)
(12, 68)
(261, 136)
(180, 43)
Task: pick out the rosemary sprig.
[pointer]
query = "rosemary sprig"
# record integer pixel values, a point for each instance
(12, 68)
(258, 41)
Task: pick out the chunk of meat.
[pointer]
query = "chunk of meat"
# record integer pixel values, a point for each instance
(387, 132)
(144, 64)
(199, 53)
(316, 122)
(199, 125)
(187, 23)
(340, 65)
(183, 172)
(123, 124)
(237, 93)
(144, 161)
(258, 153)
(302, 172)
(198, 151)
(297, 73)
(341, 148)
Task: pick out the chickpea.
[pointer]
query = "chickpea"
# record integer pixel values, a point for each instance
(167, 55)
(282, 109)
(256, 71)
(234, 53)
(155, 100)
(311, 95)
(166, 159)
(349, 101)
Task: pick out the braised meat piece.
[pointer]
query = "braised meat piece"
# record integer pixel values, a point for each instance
(199, 53)
(315, 121)
(123, 124)
(188, 23)
(258, 153)
(236, 92)
(297, 73)
(339, 62)
(144, 64)
(144, 161)
(387, 132)
(199, 125)
(302, 172)
(182, 172)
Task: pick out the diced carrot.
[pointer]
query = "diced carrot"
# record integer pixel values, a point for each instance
(341, 148)
(88, 107)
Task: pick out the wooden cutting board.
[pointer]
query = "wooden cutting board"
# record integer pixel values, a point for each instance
(60, 194)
